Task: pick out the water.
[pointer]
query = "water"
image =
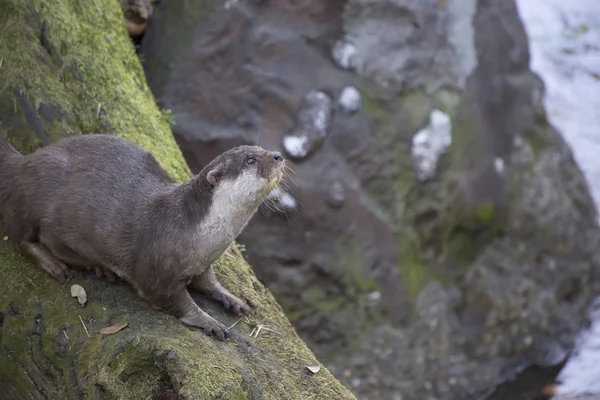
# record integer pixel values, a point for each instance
(565, 51)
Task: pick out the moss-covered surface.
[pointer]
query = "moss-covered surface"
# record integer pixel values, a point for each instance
(62, 73)
(68, 67)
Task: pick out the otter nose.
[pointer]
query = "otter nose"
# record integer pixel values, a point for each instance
(277, 156)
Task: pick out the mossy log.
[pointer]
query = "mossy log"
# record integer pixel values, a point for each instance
(68, 67)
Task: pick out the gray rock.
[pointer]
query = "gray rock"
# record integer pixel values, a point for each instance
(409, 43)
(313, 123)
(442, 288)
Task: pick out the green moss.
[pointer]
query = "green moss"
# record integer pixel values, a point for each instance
(538, 137)
(413, 270)
(447, 100)
(485, 213)
(93, 89)
(415, 108)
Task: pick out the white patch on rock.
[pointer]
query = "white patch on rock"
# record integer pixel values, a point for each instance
(374, 296)
(350, 100)
(499, 165)
(287, 201)
(321, 112)
(430, 143)
(315, 112)
(296, 146)
(342, 52)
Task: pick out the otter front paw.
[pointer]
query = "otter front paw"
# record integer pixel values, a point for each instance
(208, 324)
(229, 301)
(216, 328)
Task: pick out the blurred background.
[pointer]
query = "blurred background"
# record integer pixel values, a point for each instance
(439, 238)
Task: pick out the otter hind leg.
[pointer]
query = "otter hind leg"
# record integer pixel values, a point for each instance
(209, 284)
(46, 261)
(181, 305)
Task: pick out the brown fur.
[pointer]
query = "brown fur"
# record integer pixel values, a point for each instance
(98, 201)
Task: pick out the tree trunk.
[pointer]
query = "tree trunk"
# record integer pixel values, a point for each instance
(68, 67)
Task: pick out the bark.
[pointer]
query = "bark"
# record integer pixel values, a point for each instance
(68, 67)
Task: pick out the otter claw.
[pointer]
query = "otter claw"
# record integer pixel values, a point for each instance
(233, 303)
(220, 332)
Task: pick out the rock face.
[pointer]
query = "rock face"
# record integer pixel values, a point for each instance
(416, 262)
(68, 67)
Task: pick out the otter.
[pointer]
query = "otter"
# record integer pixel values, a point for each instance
(99, 201)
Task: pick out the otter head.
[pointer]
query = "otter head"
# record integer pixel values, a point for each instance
(244, 175)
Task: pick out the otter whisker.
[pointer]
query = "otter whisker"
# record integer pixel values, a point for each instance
(259, 131)
(273, 205)
(283, 185)
(288, 168)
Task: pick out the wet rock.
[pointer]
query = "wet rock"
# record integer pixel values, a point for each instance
(312, 126)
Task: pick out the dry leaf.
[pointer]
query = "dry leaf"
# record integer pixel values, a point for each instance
(313, 368)
(79, 292)
(113, 329)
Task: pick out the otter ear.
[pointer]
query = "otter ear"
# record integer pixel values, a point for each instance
(213, 177)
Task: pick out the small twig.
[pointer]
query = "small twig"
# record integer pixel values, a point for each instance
(107, 36)
(1, 60)
(272, 330)
(98, 7)
(98, 110)
(65, 333)
(235, 323)
(258, 328)
(84, 327)
(30, 281)
(228, 254)
(154, 126)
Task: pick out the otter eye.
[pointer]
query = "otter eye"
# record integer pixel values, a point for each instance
(250, 160)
